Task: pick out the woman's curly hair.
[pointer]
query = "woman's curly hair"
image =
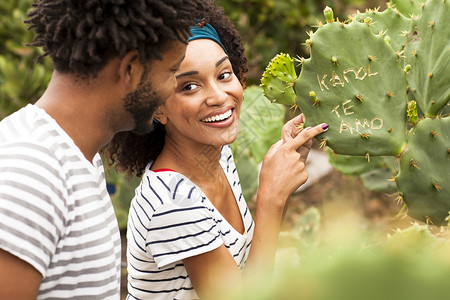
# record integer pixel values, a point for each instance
(81, 36)
(130, 152)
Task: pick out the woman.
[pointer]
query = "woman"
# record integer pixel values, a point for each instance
(190, 233)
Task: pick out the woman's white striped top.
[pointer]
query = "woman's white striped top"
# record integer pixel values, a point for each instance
(55, 212)
(171, 219)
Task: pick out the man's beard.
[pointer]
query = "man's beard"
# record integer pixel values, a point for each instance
(142, 103)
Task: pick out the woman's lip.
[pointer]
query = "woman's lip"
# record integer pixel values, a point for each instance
(217, 112)
(224, 123)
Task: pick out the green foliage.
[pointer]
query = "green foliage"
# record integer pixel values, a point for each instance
(122, 192)
(22, 81)
(356, 75)
(247, 168)
(410, 264)
(414, 241)
(259, 127)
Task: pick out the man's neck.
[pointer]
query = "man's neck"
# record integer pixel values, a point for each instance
(77, 106)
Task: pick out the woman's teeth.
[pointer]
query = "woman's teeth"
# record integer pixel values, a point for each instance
(217, 118)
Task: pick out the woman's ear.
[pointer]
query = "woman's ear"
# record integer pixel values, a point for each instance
(130, 69)
(160, 115)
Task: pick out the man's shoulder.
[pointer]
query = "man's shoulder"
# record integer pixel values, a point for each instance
(22, 125)
(25, 132)
(30, 139)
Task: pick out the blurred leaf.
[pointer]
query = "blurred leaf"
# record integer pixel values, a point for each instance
(260, 126)
(353, 165)
(260, 123)
(124, 193)
(22, 81)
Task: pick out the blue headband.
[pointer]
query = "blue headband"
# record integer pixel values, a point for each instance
(206, 32)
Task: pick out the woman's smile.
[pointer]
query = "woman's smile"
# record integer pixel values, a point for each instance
(220, 119)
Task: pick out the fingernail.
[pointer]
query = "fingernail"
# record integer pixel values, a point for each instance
(325, 126)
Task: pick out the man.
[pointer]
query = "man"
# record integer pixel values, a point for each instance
(114, 63)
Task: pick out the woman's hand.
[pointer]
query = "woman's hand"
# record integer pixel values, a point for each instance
(283, 169)
(292, 128)
(282, 172)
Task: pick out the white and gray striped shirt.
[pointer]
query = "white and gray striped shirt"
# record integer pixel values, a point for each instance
(55, 212)
(171, 219)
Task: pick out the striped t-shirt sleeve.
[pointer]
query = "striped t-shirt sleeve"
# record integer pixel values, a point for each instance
(176, 233)
(32, 208)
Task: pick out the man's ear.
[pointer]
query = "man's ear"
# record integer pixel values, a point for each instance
(130, 69)
(160, 115)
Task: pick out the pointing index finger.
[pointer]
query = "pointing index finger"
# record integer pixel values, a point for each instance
(291, 128)
(307, 134)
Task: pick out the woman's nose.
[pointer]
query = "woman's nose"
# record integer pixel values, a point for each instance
(216, 95)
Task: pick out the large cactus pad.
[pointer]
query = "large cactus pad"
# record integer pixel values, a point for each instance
(428, 53)
(354, 82)
(424, 177)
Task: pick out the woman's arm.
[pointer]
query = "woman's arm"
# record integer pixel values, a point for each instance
(282, 172)
(215, 274)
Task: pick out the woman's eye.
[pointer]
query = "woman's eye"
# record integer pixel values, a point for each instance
(224, 75)
(189, 87)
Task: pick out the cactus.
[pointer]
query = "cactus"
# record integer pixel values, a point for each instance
(358, 80)
(353, 165)
(380, 180)
(328, 13)
(376, 173)
(391, 24)
(278, 80)
(351, 71)
(424, 176)
(427, 51)
(407, 7)
(413, 115)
